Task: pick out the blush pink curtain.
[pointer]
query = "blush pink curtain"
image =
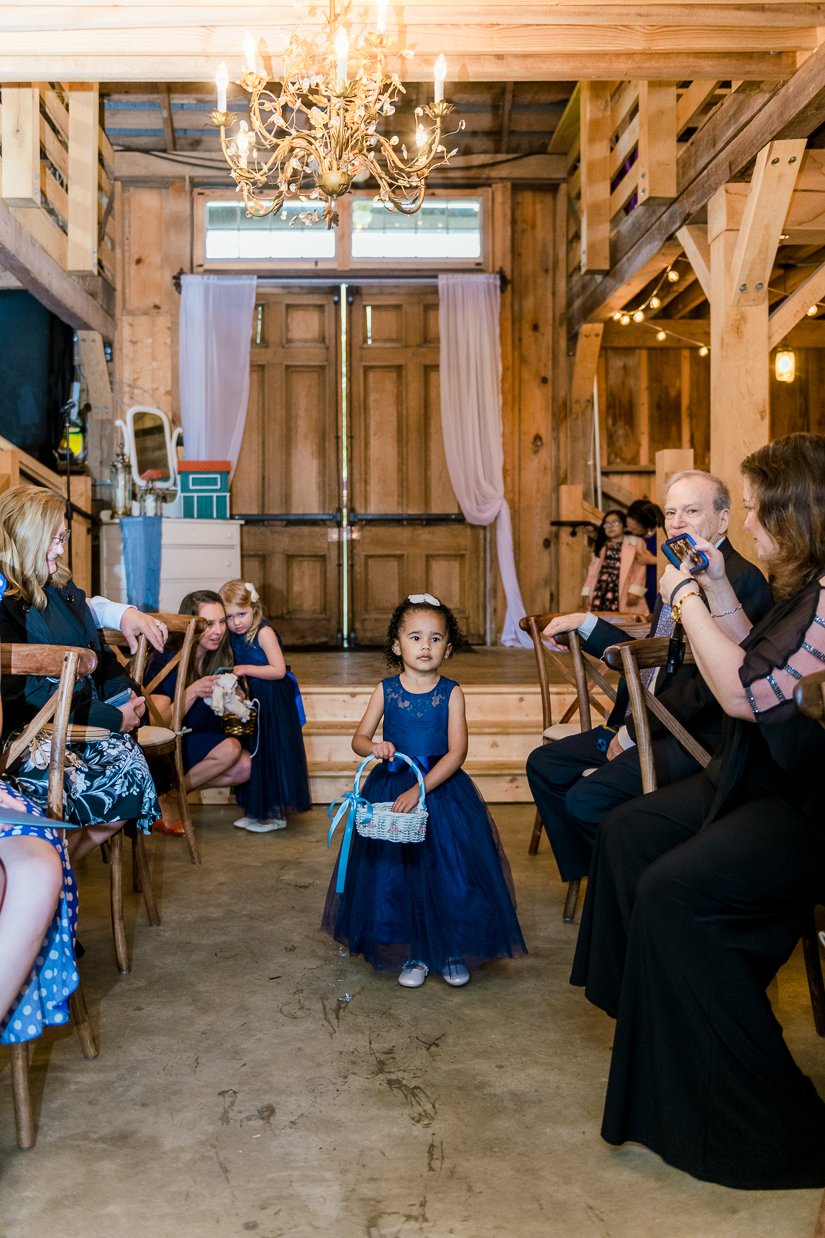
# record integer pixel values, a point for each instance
(470, 369)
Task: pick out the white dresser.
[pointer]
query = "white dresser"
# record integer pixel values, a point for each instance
(195, 554)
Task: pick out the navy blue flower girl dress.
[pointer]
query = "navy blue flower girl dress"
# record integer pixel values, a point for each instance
(448, 897)
(279, 783)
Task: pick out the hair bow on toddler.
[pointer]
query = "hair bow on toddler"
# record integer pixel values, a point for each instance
(251, 590)
(418, 598)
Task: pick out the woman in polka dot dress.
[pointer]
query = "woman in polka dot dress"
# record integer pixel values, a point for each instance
(38, 910)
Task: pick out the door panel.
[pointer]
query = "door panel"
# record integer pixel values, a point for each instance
(290, 470)
(288, 464)
(400, 470)
(391, 561)
(296, 570)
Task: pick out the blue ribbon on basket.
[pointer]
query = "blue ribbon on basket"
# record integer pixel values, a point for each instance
(346, 804)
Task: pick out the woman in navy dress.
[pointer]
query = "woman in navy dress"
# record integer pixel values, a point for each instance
(445, 904)
(278, 782)
(210, 758)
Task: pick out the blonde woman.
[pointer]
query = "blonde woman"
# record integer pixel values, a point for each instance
(107, 779)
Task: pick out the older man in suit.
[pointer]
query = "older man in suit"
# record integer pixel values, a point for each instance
(576, 781)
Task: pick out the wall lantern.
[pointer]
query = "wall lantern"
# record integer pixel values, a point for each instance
(784, 366)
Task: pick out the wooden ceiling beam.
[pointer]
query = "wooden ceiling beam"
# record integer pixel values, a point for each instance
(794, 308)
(506, 110)
(45, 279)
(738, 14)
(793, 110)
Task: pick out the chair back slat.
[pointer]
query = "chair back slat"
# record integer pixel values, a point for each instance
(64, 663)
(809, 696)
(647, 654)
(189, 627)
(578, 670)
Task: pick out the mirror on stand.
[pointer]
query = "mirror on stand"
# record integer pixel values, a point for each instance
(151, 446)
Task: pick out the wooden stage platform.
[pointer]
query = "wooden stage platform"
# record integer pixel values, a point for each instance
(503, 714)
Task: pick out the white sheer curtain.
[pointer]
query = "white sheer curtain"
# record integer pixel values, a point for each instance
(215, 339)
(471, 420)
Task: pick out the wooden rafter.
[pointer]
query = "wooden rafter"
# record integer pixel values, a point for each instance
(794, 308)
(506, 110)
(763, 218)
(694, 241)
(732, 138)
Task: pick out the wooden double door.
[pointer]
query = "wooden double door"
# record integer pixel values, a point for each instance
(342, 476)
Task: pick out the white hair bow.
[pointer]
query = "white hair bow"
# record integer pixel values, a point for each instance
(418, 598)
(251, 590)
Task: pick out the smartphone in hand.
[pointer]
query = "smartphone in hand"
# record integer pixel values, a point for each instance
(120, 698)
(678, 549)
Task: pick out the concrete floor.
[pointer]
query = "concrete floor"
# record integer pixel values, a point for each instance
(239, 1091)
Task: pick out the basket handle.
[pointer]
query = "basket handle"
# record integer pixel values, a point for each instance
(413, 767)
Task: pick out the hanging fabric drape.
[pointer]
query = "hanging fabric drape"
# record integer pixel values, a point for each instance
(215, 340)
(471, 420)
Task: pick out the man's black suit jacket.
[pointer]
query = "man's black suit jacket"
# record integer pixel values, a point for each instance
(685, 693)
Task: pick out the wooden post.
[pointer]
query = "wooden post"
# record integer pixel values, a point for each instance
(595, 176)
(744, 223)
(20, 133)
(580, 422)
(671, 460)
(83, 176)
(657, 140)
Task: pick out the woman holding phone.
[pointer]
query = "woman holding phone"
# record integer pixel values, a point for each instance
(697, 892)
(107, 779)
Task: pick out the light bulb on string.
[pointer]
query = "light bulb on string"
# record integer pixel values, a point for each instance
(812, 311)
(639, 316)
(624, 320)
(654, 302)
(661, 335)
(673, 276)
(704, 350)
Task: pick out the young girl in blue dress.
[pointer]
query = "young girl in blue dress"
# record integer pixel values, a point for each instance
(278, 784)
(445, 904)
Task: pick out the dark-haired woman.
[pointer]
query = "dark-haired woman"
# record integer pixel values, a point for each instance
(616, 577)
(210, 758)
(697, 892)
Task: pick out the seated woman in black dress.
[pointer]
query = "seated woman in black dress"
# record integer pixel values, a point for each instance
(210, 758)
(107, 780)
(697, 891)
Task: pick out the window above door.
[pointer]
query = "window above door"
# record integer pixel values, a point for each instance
(449, 232)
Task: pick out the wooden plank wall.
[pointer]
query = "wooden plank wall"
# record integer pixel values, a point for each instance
(153, 244)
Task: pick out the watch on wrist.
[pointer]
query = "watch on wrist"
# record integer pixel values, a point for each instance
(676, 608)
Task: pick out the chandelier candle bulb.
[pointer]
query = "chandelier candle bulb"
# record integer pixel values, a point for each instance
(341, 53)
(222, 81)
(249, 52)
(439, 76)
(381, 19)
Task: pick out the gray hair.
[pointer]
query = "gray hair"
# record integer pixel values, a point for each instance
(721, 494)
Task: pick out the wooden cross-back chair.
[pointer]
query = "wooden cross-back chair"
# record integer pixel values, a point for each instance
(65, 663)
(646, 654)
(156, 738)
(582, 672)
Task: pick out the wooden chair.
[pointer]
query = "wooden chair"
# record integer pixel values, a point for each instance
(583, 673)
(645, 654)
(65, 663)
(809, 698)
(157, 739)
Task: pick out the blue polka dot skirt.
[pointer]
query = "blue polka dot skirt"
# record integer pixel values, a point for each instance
(44, 997)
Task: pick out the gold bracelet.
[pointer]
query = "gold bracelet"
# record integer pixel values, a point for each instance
(676, 608)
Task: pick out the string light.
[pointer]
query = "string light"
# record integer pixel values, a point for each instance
(812, 311)
(704, 350)
(654, 302)
(625, 319)
(673, 276)
(639, 316)
(661, 335)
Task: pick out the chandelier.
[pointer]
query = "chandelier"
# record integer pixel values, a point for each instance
(321, 132)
